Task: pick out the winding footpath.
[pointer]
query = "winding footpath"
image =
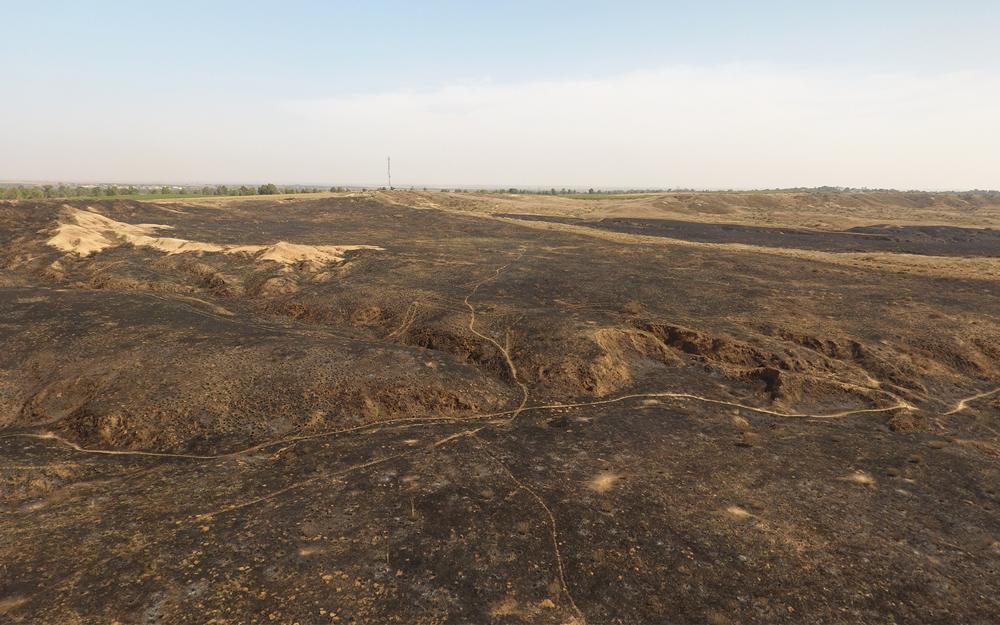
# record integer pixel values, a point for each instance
(962, 404)
(504, 351)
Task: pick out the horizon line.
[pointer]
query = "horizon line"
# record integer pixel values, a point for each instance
(499, 187)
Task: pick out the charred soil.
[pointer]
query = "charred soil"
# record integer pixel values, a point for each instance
(424, 408)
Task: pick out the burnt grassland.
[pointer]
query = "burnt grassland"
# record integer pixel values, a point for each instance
(484, 418)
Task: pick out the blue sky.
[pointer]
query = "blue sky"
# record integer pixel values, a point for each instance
(233, 91)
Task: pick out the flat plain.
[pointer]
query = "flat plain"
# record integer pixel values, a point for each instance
(426, 407)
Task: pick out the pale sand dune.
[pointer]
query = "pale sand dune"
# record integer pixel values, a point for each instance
(85, 233)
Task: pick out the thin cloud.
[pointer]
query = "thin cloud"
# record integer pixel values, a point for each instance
(712, 127)
(732, 126)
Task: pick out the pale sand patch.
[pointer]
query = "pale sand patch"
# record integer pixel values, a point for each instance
(215, 308)
(741, 422)
(310, 550)
(80, 240)
(737, 512)
(85, 232)
(860, 477)
(288, 253)
(10, 603)
(506, 607)
(603, 481)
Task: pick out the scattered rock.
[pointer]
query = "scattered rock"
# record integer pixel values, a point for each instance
(633, 307)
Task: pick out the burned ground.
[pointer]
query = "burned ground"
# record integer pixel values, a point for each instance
(930, 240)
(476, 419)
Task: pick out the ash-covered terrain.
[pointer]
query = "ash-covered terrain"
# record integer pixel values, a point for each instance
(402, 407)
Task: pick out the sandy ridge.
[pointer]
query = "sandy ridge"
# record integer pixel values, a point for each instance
(86, 232)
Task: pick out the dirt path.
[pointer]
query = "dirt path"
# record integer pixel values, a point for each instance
(553, 528)
(500, 418)
(962, 404)
(773, 413)
(505, 351)
(342, 472)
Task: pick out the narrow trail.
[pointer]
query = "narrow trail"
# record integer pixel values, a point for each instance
(505, 351)
(553, 528)
(51, 436)
(962, 404)
(333, 475)
(498, 418)
(721, 402)
(208, 516)
(404, 422)
(408, 318)
(277, 326)
(874, 386)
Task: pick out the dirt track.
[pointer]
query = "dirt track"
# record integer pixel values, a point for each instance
(472, 420)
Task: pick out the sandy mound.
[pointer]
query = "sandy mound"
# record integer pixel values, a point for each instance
(84, 232)
(288, 253)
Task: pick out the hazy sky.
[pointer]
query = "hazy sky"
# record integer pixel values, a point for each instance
(693, 94)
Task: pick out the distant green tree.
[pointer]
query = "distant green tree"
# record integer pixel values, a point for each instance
(267, 189)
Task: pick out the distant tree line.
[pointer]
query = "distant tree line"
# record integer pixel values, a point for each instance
(30, 192)
(620, 191)
(43, 191)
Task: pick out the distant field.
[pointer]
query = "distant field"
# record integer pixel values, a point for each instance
(602, 196)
